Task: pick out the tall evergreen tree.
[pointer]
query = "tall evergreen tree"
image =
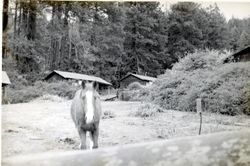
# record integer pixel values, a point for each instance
(184, 35)
(244, 39)
(217, 29)
(144, 45)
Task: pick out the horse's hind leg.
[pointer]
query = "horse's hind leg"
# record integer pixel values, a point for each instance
(95, 135)
(82, 135)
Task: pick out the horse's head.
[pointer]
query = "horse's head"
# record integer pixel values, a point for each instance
(89, 85)
(89, 97)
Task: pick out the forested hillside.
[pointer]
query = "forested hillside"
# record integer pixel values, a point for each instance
(109, 39)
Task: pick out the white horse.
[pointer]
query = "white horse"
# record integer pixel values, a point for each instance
(86, 113)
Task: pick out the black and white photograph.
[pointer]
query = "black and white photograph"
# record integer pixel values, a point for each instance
(125, 83)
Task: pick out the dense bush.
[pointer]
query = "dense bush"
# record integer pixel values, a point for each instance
(28, 93)
(200, 60)
(23, 95)
(224, 88)
(135, 86)
(61, 88)
(134, 94)
(146, 110)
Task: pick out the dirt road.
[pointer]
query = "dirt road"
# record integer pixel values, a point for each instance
(47, 126)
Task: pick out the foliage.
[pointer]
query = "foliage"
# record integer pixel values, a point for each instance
(199, 60)
(110, 39)
(39, 89)
(192, 27)
(135, 86)
(224, 88)
(238, 33)
(146, 110)
(135, 93)
(145, 38)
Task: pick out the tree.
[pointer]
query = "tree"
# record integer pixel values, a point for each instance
(239, 32)
(111, 42)
(234, 37)
(145, 40)
(192, 27)
(244, 39)
(184, 35)
(217, 34)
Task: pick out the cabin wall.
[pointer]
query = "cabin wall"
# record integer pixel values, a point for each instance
(245, 57)
(4, 95)
(130, 79)
(55, 77)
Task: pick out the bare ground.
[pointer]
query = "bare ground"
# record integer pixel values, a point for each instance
(47, 126)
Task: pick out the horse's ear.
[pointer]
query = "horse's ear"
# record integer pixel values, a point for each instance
(96, 85)
(83, 84)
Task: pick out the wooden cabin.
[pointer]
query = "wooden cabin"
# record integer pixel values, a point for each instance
(57, 75)
(5, 83)
(130, 78)
(242, 55)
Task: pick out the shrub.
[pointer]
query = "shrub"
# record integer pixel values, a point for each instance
(147, 110)
(224, 88)
(39, 89)
(135, 92)
(227, 89)
(199, 60)
(135, 86)
(23, 95)
(134, 95)
(61, 88)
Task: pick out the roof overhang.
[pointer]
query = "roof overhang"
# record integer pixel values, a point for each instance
(136, 75)
(77, 76)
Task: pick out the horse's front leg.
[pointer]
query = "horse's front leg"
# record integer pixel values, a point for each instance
(95, 135)
(82, 135)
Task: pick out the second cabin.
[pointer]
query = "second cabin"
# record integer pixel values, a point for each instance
(130, 78)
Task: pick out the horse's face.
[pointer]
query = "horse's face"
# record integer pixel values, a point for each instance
(89, 100)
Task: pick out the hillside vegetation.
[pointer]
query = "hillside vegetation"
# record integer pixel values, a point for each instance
(224, 88)
(110, 39)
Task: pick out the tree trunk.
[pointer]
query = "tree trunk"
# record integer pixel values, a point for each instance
(76, 52)
(24, 17)
(135, 50)
(19, 19)
(15, 19)
(31, 24)
(70, 47)
(5, 14)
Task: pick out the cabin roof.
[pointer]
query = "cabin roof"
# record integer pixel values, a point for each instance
(141, 77)
(238, 54)
(5, 78)
(77, 76)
